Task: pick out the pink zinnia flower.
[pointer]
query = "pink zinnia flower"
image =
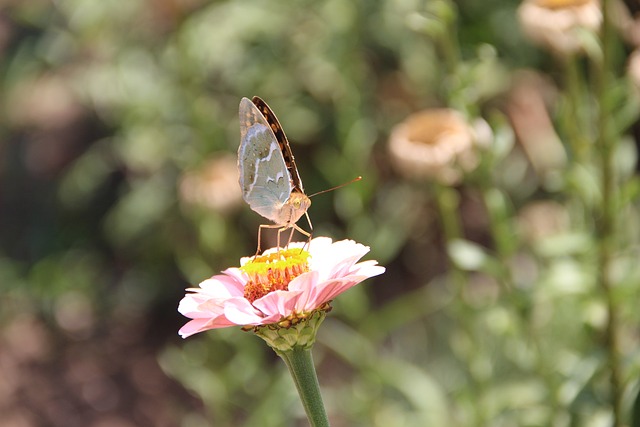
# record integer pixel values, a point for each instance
(281, 286)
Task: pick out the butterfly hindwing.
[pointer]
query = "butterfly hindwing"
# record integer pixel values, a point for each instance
(264, 177)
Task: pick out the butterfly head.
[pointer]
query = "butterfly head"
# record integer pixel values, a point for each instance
(294, 208)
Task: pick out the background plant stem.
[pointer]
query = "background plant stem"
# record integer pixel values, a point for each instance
(448, 203)
(607, 217)
(576, 127)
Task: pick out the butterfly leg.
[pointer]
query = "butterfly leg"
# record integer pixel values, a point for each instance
(290, 235)
(260, 227)
(280, 230)
(300, 230)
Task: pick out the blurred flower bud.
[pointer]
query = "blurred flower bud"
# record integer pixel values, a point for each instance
(627, 25)
(542, 219)
(633, 68)
(559, 25)
(532, 123)
(46, 108)
(214, 185)
(44, 102)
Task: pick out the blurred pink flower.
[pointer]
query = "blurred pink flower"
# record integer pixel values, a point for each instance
(280, 286)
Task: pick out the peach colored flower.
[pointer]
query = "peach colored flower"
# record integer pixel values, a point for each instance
(434, 143)
(281, 286)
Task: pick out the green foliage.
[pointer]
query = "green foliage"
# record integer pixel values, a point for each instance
(500, 288)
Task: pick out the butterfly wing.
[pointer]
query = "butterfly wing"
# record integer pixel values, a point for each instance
(285, 147)
(264, 179)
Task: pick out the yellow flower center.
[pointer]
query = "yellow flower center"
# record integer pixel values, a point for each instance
(273, 272)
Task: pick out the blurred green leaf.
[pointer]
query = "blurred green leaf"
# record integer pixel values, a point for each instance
(472, 257)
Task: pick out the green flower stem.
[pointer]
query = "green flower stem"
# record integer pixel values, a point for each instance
(300, 364)
(292, 340)
(607, 219)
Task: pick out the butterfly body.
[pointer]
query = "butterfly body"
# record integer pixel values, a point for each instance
(269, 178)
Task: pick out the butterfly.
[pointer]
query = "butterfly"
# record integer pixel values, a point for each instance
(269, 178)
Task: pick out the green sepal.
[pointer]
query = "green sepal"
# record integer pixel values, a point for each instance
(292, 333)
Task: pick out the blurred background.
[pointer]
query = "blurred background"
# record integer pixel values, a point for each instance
(497, 142)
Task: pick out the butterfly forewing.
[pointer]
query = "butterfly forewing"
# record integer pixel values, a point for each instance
(285, 148)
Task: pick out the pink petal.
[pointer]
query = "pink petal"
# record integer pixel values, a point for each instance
(349, 247)
(327, 291)
(305, 284)
(199, 306)
(241, 312)
(221, 286)
(367, 268)
(317, 244)
(320, 244)
(200, 325)
(343, 267)
(336, 260)
(316, 292)
(237, 274)
(277, 304)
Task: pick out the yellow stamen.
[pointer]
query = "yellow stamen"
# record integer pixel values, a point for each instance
(272, 272)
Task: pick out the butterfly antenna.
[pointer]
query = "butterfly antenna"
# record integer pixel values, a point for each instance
(339, 186)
